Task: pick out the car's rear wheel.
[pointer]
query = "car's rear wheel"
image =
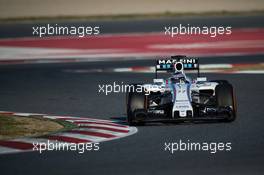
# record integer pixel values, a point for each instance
(136, 105)
(225, 98)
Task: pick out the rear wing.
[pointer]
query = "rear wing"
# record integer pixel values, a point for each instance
(168, 64)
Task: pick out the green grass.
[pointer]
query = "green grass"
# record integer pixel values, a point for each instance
(6, 123)
(15, 126)
(66, 125)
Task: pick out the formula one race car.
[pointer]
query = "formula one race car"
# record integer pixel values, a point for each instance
(179, 98)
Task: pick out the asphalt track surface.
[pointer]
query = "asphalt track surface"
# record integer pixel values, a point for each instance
(47, 88)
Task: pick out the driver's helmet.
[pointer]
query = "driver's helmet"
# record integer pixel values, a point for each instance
(177, 77)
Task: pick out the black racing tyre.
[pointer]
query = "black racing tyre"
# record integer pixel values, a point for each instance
(220, 81)
(225, 97)
(135, 101)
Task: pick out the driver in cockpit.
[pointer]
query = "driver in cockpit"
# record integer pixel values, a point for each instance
(178, 75)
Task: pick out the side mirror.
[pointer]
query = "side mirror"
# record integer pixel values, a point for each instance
(158, 80)
(201, 79)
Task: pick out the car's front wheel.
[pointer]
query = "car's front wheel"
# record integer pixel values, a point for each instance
(225, 98)
(136, 105)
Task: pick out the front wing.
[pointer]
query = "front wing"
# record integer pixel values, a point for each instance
(156, 115)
